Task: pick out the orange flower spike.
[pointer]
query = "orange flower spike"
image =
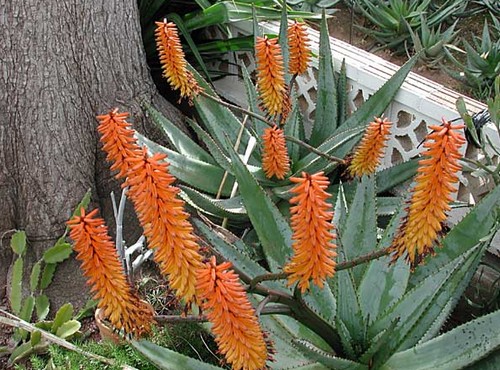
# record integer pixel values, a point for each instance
(165, 223)
(300, 53)
(313, 236)
(431, 195)
(173, 61)
(275, 160)
(100, 264)
(118, 140)
(271, 77)
(235, 325)
(371, 149)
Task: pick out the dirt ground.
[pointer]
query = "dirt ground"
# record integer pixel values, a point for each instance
(340, 26)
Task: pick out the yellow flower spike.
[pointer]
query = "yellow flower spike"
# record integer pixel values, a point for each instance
(300, 52)
(431, 195)
(275, 160)
(313, 247)
(100, 264)
(271, 85)
(165, 222)
(237, 332)
(173, 61)
(371, 148)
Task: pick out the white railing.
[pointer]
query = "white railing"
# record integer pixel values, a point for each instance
(418, 103)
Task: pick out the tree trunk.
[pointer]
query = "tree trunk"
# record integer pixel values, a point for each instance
(63, 63)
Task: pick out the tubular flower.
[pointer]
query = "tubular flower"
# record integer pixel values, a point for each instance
(100, 264)
(371, 149)
(300, 53)
(118, 140)
(275, 161)
(312, 232)
(173, 61)
(431, 195)
(235, 325)
(271, 77)
(165, 223)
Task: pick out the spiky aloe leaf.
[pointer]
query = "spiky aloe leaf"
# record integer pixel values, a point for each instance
(395, 175)
(323, 302)
(231, 208)
(359, 235)
(456, 349)
(204, 176)
(326, 115)
(283, 41)
(165, 358)
(271, 227)
(177, 138)
(462, 237)
(382, 285)
(342, 95)
(420, 307)
(294, 128)
(377, 343)
(378, 102)
(348, 308)
(252, 99)
(327, 359)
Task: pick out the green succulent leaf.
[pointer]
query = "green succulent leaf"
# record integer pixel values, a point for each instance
(16, 286)
(42, 306)
(294, 128)
(326, 115)
(327, 359)
(253, 102)
(18, 242)
(342, 95)
(395, 175)
(35, 338)
(63, 315)
(68, 328)
(455, 349)
(359, 235)
(35, 276)
(20, 352)
(167, 359)
(202, 175)
(179, 140)
(271, 227)
(57, 253)
(47, 275)
(231, 208)
(27, 309)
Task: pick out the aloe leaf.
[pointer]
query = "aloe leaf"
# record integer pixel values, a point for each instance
(326, 115)
(339, 145)
(342, 95)
(327, 359)
(179, 140)
(47, 275)
(323, 302)
(283, 41)
(348, 309)
(18, 242)
(231, 208)
(67, 329)
(16, 286)
(35, 276)
(253, 101)
(379, 101)
(359, 236)
(463, 236)
(420, 307)
(456, 349)
(294, 128)
(271, 227)
(395, 175)
(345, 338)
(63, 315)
(217, 47)
(377, 343)
(57, 253)
(167, 359)
(382, 285)
(42, 306)
(202, 175)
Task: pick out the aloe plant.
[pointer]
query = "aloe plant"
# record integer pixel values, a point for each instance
(206, 173)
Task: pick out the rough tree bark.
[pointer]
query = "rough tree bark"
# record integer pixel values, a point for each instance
(62, 63)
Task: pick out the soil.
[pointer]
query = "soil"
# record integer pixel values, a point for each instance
(341, 26)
